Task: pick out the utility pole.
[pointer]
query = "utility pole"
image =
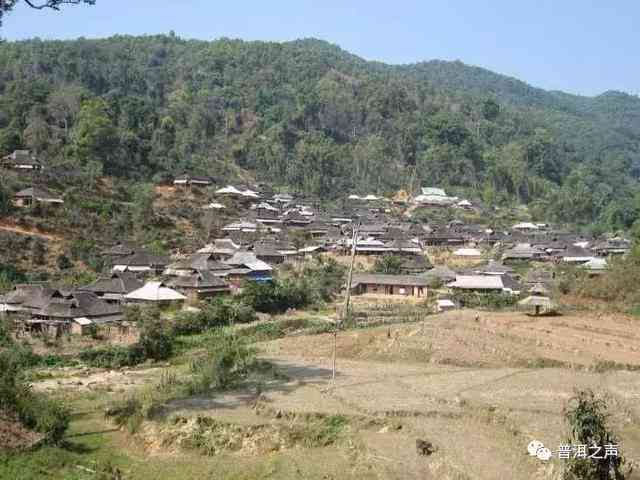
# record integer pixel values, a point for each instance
(347, 297)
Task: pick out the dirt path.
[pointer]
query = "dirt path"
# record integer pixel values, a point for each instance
(7, 227)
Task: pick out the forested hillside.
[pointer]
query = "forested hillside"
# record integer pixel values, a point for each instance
(311, 117)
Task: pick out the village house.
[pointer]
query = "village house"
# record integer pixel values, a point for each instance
(383, 284)
(241, 226)
(232, 191)
(595, 266)
(468, 253)
(140, 262)
(522, 252)
(43, 309)
(22, 161)
(493, 268)
(268, 216)
(198, 285)
(478, 283)
(414, 265)
(246, 266)
(404, 247)
(156, 293)
(189, 181)
(197, 262)
(434, 197)
(444, 238)
(221, 248)
(575, 254)
(33, 195)
(296, 219)
(612, 246)
(113, 288)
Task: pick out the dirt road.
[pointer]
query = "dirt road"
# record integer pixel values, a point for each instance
(7, 227)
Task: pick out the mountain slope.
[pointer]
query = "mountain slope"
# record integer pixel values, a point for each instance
(309, 116)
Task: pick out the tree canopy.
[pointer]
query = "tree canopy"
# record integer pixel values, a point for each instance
(312, 117)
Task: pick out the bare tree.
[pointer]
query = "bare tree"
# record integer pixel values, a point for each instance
(7, 5)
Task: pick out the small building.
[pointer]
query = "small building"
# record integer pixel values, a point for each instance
(156, 293)
(444, 305)
(21, 160)
(470, 253)
(214, 206)
(383, 284)
(204, 262)
(241, 226)
(523, 252)
(525, 227)
(187, 180)
(465, 204)
(576, 255)
(246, 266)
(221, 248)
(415, 265)
(493, 268)
(435, 197)
(595, 266)
(199, 285)
(113, 288)
(141, 262)
(478, 283)
(30, 196)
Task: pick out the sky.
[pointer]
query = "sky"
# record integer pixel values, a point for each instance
(578, 46)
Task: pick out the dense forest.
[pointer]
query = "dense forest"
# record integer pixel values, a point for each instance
(308, 116)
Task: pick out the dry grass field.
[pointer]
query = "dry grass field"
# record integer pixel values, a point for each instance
(479, 390)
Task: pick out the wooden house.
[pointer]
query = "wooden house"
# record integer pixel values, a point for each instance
(30, 196)
(382, 284)
(21, 161)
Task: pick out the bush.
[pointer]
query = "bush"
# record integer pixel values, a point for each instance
(34, 410)
(156, 339)
(316, 282)
(277, 296)
(112, 357)
(493, 301)
(389, 264)
(217, 313)
(229, 358)
(587, 418)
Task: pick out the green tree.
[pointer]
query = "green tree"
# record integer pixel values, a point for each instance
(389, 264)
(95, 137)
(587, 419)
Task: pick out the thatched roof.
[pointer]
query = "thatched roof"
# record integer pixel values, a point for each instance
(537, 301)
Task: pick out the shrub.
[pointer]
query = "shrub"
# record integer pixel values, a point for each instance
(587, 418)
(156, 339)
(491, 301)
(112, 357)
(390, 264)
(316, 282)
(34, 410)
(229, 358)
(63, 262)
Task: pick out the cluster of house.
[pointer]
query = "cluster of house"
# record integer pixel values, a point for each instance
(23, 161)
(267, 229)
(135, 276)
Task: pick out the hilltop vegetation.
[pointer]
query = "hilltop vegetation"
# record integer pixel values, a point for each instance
(311, 117)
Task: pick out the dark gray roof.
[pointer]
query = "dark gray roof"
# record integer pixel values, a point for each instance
(200, 279)
(38, 193)
(21, 157)
(143, 258)
(118, 283)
